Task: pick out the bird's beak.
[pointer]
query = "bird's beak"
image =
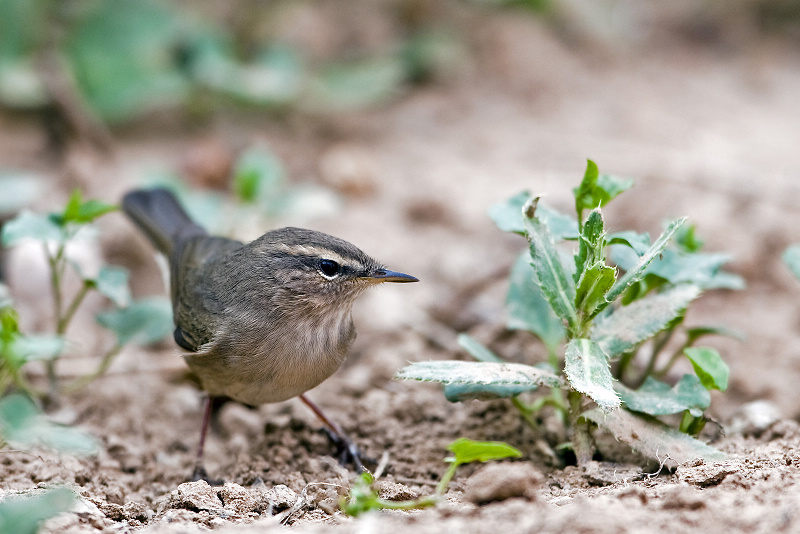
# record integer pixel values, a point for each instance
(384, 275)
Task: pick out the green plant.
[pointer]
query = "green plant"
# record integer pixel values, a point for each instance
(363, 497)
(23, 513)
(145, 321)
(597, 318)
(791, 256)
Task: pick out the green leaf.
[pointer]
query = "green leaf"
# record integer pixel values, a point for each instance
(23, 426)
(467, 451)
(657, 398)
(591, 244)
(637, 271)
(482, 392)
(629, 325)
(593, 285)
(258, 178)
(38, 347)
(112, 282)
(597, 190)
(652, 438)
(638, 243)
(587, 369)
(28, 225)
(507, 215)
(23, 513)
(145, 321)
(791, 257)
(456, 372)
(709, 367)
(357, 84)
(528, 308)
(698, 268)
(476, 349)
(695, 333)
(551, 276)
(687, 240)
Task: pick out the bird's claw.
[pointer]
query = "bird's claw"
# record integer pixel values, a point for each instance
(347, 452)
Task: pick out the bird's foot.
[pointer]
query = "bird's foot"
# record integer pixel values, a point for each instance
(347, 452)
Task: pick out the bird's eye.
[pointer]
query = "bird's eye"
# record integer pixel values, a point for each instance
(329, 268)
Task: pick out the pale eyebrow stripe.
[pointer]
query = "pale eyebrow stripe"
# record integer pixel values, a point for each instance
(313, 250)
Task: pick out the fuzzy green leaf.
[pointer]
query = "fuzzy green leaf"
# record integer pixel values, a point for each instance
(791, 257)
(637, 271)
(709, 367)
(657, 398)
(638, 243)
(652, 438)
(507, 215)
(482, 392)
(528, 308)
(258, 178)
(590, 244)
(597, 190)
(593, 285)
(112, 282)
(456, 372)
(28, 225)
(698, 268)
(630, 325)
(467, 451)
(145, 321)
(586, 367)
(557, 287)
(476, 349)
(22, 425)
(23, 513)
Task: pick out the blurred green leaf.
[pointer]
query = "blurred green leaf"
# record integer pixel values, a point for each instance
(791, 257)
(698, 268)
(712, 371)
(597, 190)
(22, 26)
(551, 276)
(588, 371)
(145, 321)
(639, 243)
(528, 308)
(28, 225)
(23, 513)
(630, 325)
(658, 398)
(477, 350)
(483, 392)
(507, 215)
(38, 347)
(78, 211)
(19, 189)
(357, 84)
(124, 57)
(259, 178)
(112, 282)
(23, 426)
(5, 297)
(686, 239)
(467, 451)
(456, 372)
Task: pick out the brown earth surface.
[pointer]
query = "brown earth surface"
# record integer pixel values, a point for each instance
(708, 131)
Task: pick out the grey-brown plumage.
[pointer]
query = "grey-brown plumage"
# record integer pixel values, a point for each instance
(263, 321)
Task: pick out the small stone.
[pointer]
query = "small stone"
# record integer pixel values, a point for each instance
(195, 496)
(276, 499)
(136, 511)
(236, 499)
(393, 491)
(500, 481)
(608, 473)
(703, 475)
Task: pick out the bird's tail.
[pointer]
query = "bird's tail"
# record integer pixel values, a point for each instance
(160, 216)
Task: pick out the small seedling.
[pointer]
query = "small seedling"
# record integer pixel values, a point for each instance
(364, 497)
(144, 321)
(23, 513)
(615, 301)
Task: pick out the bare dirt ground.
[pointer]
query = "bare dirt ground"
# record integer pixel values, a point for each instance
(707, 131)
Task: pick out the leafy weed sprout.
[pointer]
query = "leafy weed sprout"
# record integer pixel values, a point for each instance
(597, 318)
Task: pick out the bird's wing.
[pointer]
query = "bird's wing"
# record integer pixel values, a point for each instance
(196, 316)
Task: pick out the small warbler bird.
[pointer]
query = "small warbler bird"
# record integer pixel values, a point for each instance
(264, 321)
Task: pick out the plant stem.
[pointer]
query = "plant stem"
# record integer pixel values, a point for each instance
(526, 411)
(672, 361)
(658, 345)
(441, 488)
(64, 321)
(624, 362)
(581, 437)
(83, 381)
(56, 270)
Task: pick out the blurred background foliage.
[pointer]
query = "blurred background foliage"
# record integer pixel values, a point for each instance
(120, 60)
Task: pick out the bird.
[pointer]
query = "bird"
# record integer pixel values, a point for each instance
(264, 321)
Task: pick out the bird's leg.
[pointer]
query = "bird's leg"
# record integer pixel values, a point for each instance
(348, 452)
(199, 472)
